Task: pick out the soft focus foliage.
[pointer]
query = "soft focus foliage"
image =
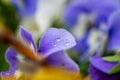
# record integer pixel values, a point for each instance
(112, 58)
(13, 21)
(4, 66)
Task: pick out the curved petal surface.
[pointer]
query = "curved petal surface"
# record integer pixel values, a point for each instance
(25, 7)
(96, 74)
(62, 60)
(55, 40)
(11, 57)
(102, 65)
(27, 37)
(114, 33)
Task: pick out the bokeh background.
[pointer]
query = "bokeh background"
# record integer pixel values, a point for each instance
(95, 24)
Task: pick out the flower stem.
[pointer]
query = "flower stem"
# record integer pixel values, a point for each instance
(9, 38)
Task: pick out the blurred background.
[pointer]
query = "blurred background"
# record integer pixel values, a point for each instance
(95, 24)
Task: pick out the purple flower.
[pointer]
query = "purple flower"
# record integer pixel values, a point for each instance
(100, 8)
(82, 44)
(93, 36)
(114, 32)
(52, 46)
(25, 7)
(99, 69)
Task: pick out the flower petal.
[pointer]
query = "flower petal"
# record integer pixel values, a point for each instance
(7, 75)
(102, 65)
(78, 7)
(25, 7)
(62, 60)
(101, 11)
(114, 33)
(12, 59)
(30, 6)
(82, 44)
(55, 40)
(28, 38)
(96, 74)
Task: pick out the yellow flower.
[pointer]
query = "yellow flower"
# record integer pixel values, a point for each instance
(52, 73)
(48, 73)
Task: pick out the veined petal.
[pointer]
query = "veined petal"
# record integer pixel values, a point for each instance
(55, 40)
(62, 60)
(28, 38)
(102, 65)
(96, 74)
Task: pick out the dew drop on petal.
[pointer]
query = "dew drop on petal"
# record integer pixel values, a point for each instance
(57, 39)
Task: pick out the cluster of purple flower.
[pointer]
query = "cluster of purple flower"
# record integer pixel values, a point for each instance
(94, 23)
(51, 46)
(98, 12)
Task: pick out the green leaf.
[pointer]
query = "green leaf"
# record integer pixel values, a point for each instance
(112, 58)
(4, 66)
(115, 69)
(8, 16)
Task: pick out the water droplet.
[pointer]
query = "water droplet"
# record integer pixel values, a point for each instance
(57, 39)
(67, 43)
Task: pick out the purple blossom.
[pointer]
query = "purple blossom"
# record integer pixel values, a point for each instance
(99, 69)
(114, 32)
(82, 45)
(100, 8)
(52, 46)
(25, 7)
